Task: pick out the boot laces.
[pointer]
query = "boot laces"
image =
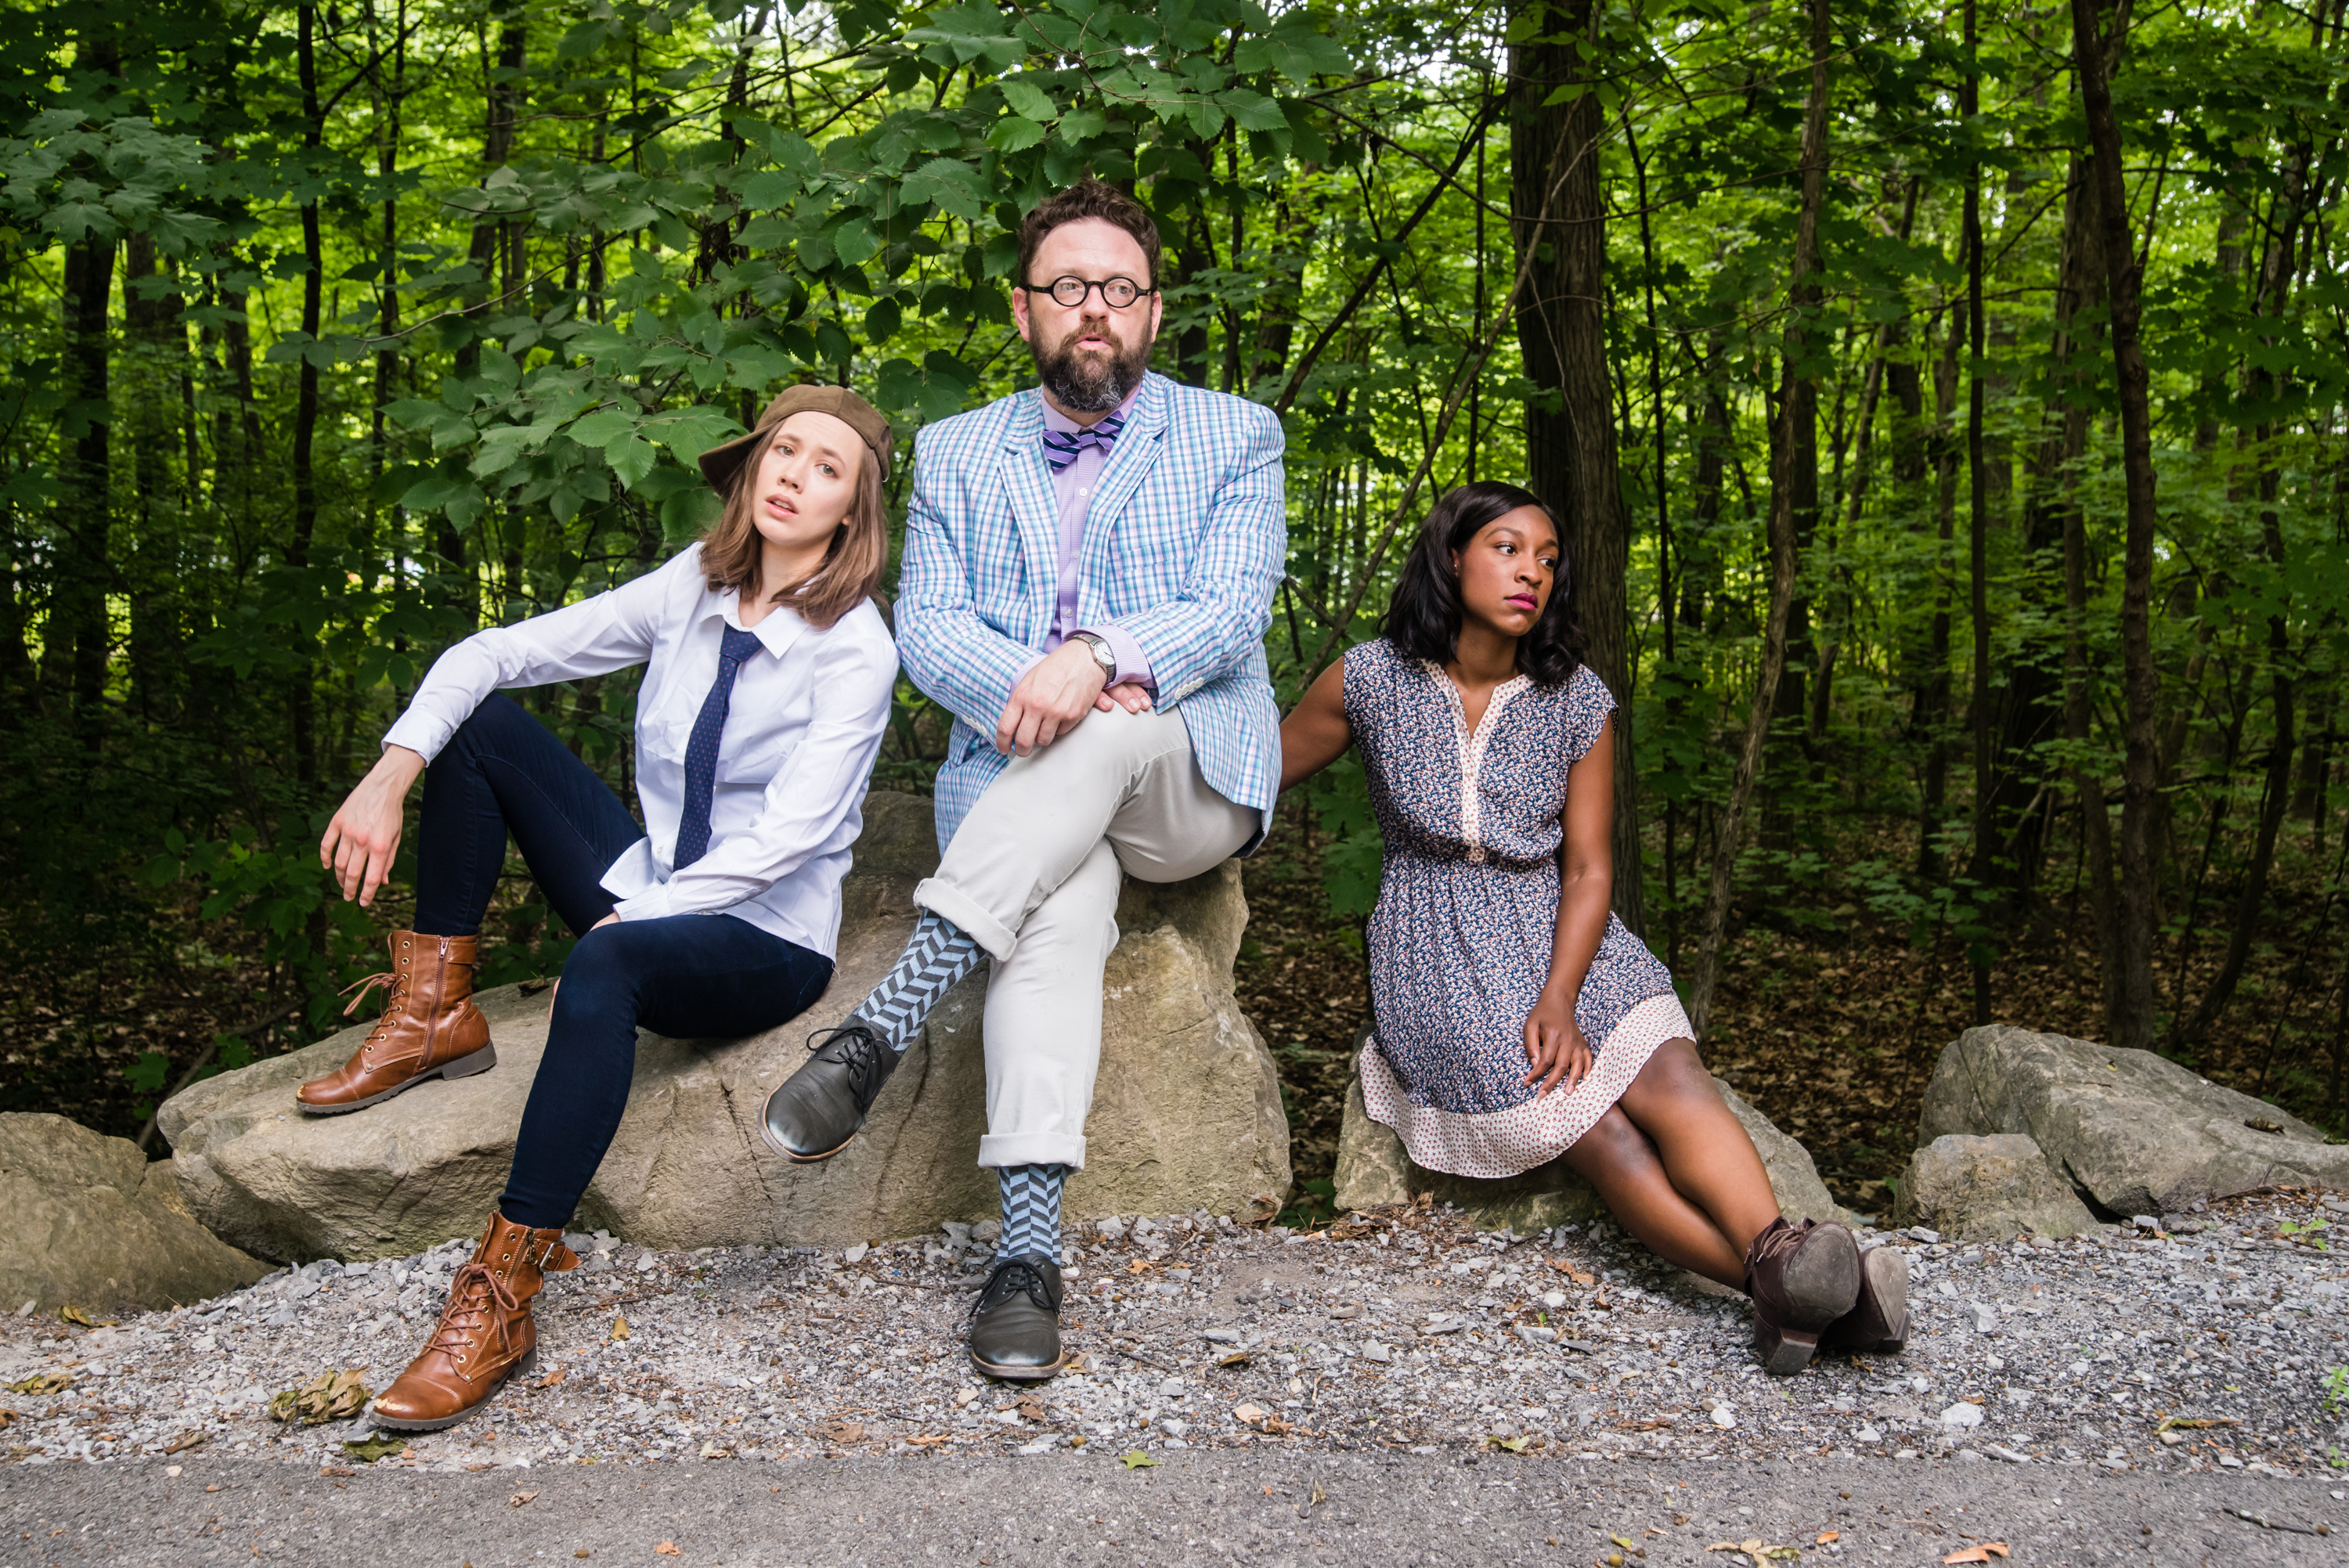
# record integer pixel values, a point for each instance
(475, 1290)
(856, 1048)
(396, 980)
(1014, 1276)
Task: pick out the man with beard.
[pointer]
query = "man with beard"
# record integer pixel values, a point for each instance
(1088, 575)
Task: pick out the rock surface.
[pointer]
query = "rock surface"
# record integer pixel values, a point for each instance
(2133, 1132)
(1373, 1170)
(1187, 1110)
(92, 1225)
(1988, 1190)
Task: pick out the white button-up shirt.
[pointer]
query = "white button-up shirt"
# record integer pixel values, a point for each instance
(800, 737)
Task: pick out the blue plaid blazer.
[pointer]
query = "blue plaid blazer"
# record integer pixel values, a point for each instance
(1184, 547)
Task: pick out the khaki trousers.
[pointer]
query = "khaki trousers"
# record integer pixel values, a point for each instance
(1033, 875)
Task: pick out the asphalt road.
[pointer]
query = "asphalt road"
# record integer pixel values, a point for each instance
(1210, 1506)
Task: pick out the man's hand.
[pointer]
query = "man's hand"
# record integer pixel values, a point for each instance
(362, 839)
(1051, 700)
(1125, 695)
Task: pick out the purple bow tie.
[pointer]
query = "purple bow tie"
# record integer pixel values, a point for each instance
(1062, 446)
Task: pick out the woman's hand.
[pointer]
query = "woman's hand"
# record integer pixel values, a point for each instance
(362, 839)
(1554, 1044)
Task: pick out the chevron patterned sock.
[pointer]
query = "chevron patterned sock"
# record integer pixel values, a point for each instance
(939, 953)
(1031, 1209)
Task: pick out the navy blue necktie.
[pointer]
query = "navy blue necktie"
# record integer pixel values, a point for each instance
(701, 751)
(1062, 446)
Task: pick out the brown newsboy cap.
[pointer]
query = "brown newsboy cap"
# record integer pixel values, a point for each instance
(721, 464)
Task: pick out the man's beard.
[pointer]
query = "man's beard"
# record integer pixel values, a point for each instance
(1089, 384)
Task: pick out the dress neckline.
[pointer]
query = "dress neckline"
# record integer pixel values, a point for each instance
(1472, 744)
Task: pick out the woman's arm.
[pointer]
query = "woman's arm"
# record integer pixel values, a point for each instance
(610, 631)
(1316, 734)
(1554, 1042)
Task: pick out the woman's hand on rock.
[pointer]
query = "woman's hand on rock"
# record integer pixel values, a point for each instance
(362, 839)
(1554, 1044)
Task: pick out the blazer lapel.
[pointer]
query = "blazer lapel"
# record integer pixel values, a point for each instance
(1034, 512)
(1131, 459)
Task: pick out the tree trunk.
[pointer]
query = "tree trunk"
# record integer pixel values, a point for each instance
(1978, 509)
(306, 400)
(1929, 717)
(1570, 455)
(1783, 559)
(84, 572)
(2133, 1021)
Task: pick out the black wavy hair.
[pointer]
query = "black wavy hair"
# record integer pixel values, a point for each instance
(1422, 619)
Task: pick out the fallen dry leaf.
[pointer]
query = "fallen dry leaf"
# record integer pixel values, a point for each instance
(1829, 1537)
(519, 1498)
(550, 1380)
(1237, 1358)
(1134, 1458)
(845, 1431)
(926, 1442)
(1248, 1415)
(667, 1548)
(183, 1442)
(619, 1328)
(1982, 1554)
(329, 1397)
(42, 1383)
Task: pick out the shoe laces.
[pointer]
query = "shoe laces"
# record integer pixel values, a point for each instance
(1015, 1276)
(856, 1048)
(476, 1288)
(397, 980)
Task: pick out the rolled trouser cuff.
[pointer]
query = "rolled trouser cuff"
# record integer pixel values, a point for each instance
(997, 1149)
(950, 903)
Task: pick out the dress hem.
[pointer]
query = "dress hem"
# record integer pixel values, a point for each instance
(1493, 1145)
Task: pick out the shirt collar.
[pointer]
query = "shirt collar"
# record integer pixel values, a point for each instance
(1056, 420)
(776, 633)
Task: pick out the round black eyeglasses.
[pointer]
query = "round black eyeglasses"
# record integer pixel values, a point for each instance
(1073, 291)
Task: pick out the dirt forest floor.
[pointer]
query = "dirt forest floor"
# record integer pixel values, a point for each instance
(1832, 1034)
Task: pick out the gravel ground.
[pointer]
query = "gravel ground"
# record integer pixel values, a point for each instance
(2187, 1343)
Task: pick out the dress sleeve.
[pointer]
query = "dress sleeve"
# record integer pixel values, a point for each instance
(1588, 703)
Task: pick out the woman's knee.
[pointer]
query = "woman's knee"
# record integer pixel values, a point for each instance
(606, 971)
(1613, 1143)
(1676, 1071)
(489, 725)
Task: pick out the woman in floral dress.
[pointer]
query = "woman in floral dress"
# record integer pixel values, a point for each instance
(1516, 1018)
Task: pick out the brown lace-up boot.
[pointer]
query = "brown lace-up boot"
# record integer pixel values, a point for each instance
(1801, 1280)
(485, 1334)
(429, 1027)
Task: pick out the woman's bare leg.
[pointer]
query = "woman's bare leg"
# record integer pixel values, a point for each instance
(1619, 1159)
(1703, 1146)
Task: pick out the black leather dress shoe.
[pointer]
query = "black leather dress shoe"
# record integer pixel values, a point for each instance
(1015, 1326)
(814, 1113)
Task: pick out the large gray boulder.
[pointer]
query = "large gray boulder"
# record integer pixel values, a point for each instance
(1186, 1111)
(1373, 1170)
(92, 1225)
(1989, 1189)
(2133, 1132)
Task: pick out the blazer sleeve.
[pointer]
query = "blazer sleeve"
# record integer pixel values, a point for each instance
(1211, 626)
(609, 632)
(952, 654)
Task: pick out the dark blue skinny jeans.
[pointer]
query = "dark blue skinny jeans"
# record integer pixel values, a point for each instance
(691, 976)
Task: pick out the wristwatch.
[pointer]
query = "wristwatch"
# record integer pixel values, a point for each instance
(1102, 653)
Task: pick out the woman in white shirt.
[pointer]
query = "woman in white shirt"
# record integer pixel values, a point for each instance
(767, 674)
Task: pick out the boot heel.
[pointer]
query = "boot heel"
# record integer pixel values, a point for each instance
(481, 1061)
(1784, 1351)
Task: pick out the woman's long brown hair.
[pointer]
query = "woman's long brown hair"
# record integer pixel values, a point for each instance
(851, 570)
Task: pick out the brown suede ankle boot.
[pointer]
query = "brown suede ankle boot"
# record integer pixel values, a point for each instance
(485, 1334)
(1800, 1281)
(429, 1027)
(1878, 1323)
